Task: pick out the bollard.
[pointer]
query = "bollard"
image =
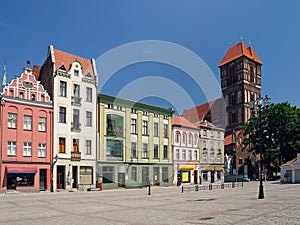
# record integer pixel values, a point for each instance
(222, 186)
(242, 183)
(232, 184)
(196, 188)
(181, 189)
(149, 189)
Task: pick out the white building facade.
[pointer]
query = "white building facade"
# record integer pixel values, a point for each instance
(72, 83)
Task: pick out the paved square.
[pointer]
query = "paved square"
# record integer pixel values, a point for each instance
(165, 205)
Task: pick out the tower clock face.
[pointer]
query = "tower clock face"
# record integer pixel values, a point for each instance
(27, 84)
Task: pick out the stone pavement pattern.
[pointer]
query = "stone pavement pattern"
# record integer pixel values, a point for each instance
(164, 206)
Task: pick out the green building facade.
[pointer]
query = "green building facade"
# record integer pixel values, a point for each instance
(135, 144)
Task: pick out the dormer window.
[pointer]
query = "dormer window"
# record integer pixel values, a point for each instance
(76, 73)
(63, 68)
(88, 75)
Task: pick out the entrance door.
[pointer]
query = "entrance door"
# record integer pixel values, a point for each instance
(195, 176)
(43, 179)
(60, 177)
(156, 176)
(75, 176)
(11, 182)
(212, 176)
(121, 180)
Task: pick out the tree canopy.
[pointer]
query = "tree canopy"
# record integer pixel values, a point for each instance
(280, 132)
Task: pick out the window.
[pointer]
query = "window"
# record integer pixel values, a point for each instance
(177, 154)
(88, 119)
(195, 139)
(165, 151)
(41, 150)
(218, 134)
(155, 151)
(76, 124)
(33, 97)
(62, 114)
(114, 125)
(114, 148)
(133, 126)
(145, 113)
(145, 150)
(27, 123)
(212, 157)
(133, 110)
(76, 90)
(195, 156)
(12, 120)
(177, 137)
(212, 145)
(27, 149)
(219, 158)
(204, 132)
(75, 145)
(62, 145)
(155, 133)
(133, 173)
(204, 145)
(211, 133)
(89, 94)
(76, 73)
(11, 148)
(183, 154)
(165, 175)
(190, 155)
(88, 147)
(63, 89)
(108, 174)
(204, 157)
(190, 139)
(165, 130)
(183, 138)
(145, 127)
(133, 149)
(42, 124)
(240, 161)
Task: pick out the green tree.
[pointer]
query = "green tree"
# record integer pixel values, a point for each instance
(280, 132)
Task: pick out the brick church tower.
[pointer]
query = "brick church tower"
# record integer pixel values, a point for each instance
(240, 72)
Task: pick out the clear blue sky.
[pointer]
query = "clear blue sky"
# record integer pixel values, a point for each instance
(207, 28)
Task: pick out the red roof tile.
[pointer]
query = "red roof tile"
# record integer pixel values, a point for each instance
(36, 71)
(290, 162)
(66, 59)
(228, 138)
(238, 51)
(181, 121)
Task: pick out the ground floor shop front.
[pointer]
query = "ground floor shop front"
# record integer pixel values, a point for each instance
(211, 174)
(117, 175)
(25, 177)
(69, 175)
(186, 174)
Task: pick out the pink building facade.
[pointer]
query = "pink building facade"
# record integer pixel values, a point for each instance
(25, 135)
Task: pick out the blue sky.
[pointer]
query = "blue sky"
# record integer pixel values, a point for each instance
(207, 28)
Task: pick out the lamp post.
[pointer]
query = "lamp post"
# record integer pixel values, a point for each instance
(256, 107)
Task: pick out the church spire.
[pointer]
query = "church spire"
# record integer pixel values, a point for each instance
(3, 78)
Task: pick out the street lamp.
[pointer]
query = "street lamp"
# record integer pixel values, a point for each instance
(256, 107)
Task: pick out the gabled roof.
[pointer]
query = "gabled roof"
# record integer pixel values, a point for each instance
(183, 122)
(66, 59)
(238, 51)
(290, 162)
(213, 111)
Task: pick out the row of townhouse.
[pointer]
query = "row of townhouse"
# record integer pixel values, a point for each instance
(57, 132)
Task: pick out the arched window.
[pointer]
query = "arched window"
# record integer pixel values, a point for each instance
(190, 139)
(183, 138)
(195, 139)
(177, 137)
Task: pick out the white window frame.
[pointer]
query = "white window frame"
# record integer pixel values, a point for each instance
(42, 124)
(27, 123)
(42, 150)
(12, 120)
(11, 148)
(27, 149)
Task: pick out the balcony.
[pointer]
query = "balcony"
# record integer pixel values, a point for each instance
(76, 100)
(75, 156)
(75, 127)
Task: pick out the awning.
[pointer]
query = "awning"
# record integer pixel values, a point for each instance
(212, 168)
(14, 170)
(187, 167)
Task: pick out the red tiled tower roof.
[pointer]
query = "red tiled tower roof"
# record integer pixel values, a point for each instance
(181, 121)
(238, 51)
(66, 59)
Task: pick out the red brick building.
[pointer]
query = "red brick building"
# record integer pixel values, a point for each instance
(25, 134)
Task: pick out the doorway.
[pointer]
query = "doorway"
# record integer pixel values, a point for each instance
(61, 177)
(43, 179)
(212, 176)
(195, 176)
(121, 180)
(156, 176)
(11, 182)
(74, 176)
